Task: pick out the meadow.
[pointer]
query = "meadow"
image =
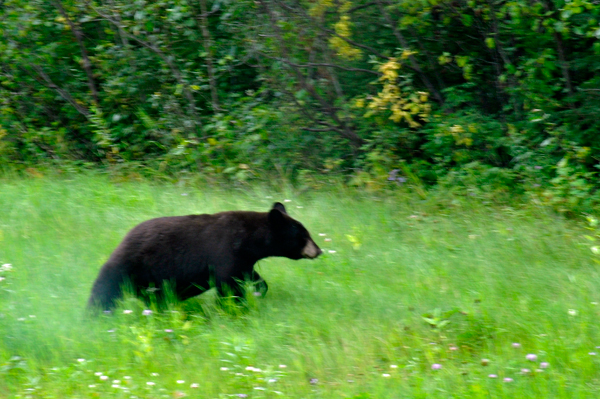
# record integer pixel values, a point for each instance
(415, 296)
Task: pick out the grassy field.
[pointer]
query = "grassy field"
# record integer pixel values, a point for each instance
(433, 298)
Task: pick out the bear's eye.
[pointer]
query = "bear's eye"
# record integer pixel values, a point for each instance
(303, 236)
(296, 230)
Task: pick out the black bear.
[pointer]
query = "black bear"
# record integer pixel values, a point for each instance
(193, 252)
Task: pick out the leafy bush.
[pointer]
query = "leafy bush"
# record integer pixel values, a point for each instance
(459, 92)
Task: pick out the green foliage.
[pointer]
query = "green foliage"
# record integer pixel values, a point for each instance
(571, 189)
(241, 89)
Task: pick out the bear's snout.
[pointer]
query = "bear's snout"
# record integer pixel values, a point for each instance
(311, 250)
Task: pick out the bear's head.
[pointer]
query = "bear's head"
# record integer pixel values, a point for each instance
(290, 237)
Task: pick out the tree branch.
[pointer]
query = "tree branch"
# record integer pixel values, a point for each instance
(356, 8)
(87, 65)
(203, 22)
(319, 64)
(329, 128)
(564, 66)
(64, 94)
(503, 55)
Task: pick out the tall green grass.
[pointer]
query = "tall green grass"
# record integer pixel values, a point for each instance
(404, 284)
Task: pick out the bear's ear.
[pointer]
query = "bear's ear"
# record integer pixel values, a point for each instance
(279, 206)
(276, 218)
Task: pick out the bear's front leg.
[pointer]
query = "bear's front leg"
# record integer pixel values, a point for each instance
(260, 284)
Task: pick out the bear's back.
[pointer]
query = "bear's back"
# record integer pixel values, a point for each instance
(191, 238)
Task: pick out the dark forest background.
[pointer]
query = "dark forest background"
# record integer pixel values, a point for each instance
(490, 96)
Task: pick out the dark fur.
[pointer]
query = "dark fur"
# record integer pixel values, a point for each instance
(192, 252)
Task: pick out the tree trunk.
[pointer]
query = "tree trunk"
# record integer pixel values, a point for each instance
(87, 65)
(203, 21)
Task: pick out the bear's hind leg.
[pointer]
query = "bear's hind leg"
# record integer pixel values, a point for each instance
(231, 287)
(107, 289)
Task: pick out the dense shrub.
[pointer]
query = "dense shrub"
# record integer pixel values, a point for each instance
(459, 92)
